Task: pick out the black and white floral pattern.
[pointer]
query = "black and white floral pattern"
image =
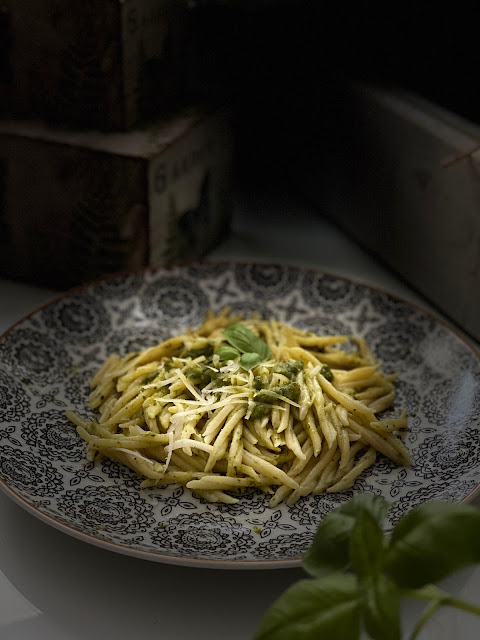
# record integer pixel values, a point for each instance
(320, 324)
(77, 386)
(34, 358)
(81, 319)
(208, 534)
(428, 493)
(119, 289)
(291, 545)
(119, 474)
(247, 308)
(265, 281)
(447, 455)
(172, 299)
(77, 474)
(135, 339)
(252, 502)
(330, 293)
(396, 343)
(274, 523)
(407, 396)
(46, 362)
(53, 436)
(13, 398)
(107, 508)
(453, 402)
(173, 502)
(28, 474)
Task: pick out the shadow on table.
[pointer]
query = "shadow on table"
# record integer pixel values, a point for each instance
(94, 593)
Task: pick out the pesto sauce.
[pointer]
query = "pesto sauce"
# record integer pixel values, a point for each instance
(289, 369)
(200, 374)
(260, 382)
(290, 390)
(206, 351)
(266, 396)
(260, 410)
(326, 372)
(150, 377)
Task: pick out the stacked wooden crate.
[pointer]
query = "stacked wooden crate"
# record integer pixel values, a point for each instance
(401, 175)
(103, 164)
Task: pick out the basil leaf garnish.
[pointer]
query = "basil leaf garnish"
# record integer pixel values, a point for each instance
(328, 607)
(250, 360)
(226, 352)
(427, 544)
(382, 609)
(431, 542)
(330, 549)
(240, 337)
(366, 546)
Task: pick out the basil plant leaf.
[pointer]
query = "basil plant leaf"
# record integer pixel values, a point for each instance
(431, 542)
(226, 352)
(240, 337)
(330, 549)
(328, 607)
(366, 546)
(250, 360)
(381, 612)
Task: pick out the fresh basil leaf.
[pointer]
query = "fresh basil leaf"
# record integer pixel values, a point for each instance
(240, 337)
(366, 546)
(226, 352)
(330, 549)
(431, 542)
(250, 360)
(328, 607)
(381, 612)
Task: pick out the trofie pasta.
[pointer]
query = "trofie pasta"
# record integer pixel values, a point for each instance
(246, 403)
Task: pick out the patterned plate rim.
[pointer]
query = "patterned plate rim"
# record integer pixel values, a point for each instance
(186, 561)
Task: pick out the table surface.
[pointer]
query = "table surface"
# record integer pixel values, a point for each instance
(55, 587)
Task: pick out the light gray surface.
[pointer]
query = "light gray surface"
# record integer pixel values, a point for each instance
(54, 587)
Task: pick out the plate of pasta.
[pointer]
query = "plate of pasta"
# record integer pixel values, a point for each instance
(212, 414)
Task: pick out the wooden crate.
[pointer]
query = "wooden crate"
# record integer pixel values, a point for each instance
(75, 206)
(105, 64)
(401, 175)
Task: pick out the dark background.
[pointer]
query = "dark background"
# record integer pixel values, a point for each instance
(284, 65)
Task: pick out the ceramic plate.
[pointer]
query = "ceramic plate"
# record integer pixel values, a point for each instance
(47, 359)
